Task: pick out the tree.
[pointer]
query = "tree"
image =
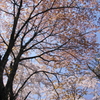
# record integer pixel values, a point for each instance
(94, 66)
(40, 38)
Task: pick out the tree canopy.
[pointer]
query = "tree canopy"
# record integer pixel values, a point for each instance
(45, 48)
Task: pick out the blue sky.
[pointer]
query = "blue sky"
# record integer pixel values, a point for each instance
(98, 37)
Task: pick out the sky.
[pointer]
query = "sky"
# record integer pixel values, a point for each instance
(98, 37)
(98, 40)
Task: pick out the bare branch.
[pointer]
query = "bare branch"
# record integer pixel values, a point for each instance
(53, 8)
(53, 86)
(6, 11)
(27, 95)
(55, 49)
